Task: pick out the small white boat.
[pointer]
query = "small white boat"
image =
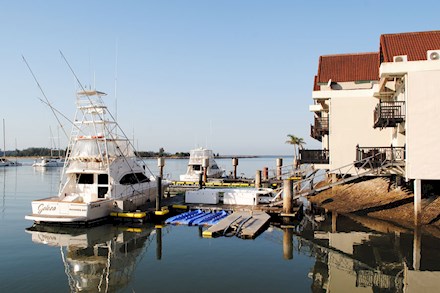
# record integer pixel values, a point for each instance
(197, 157)
(101, 173)
(7, 163)
(48, 162)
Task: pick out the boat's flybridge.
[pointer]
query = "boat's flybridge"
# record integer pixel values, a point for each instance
(101, 173)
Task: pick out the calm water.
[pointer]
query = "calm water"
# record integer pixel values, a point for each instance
(327, 253)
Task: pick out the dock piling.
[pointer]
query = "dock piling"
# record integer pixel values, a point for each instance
(258, 179)
(159, 193)
(235, 164)
(287, 196)
(161, 164)
(288, 243)
(279, 168)
(205, 165)
(265, 173)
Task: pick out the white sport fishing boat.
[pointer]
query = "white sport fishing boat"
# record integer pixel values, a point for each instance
(101, 173)
(195, 165)
(48, 162)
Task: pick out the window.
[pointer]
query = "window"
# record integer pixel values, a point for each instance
(102, 179)
(197, 167)
(84, 178)
(133, 178)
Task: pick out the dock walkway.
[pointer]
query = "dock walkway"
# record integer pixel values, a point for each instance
(243, 224)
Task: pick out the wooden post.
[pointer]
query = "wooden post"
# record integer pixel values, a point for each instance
(158, 243)
(235, 164)
(205, 165)
(265, 173)
(287, 196)
(200, 181)
(279, 168)
(258, 179)
(417, 201)
(159, 193)
(288, 243)
(160, 164)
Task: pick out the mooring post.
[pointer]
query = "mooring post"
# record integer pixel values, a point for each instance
(235, 164)
(287, 196)
(258, 179)
(265, 173)
(205, 165)
(159, 193)
(279, 168)
(158, 243)
(417, 201)
(200, 180)
(161, 164)
(288, 243)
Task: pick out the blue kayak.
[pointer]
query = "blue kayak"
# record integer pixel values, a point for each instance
(182, 217)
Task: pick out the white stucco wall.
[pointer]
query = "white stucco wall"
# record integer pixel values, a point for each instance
(423, 125)
(351, 123)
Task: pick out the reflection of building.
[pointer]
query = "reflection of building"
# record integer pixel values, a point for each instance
(351, 257)
(98, 259)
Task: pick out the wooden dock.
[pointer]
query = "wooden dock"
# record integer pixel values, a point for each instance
(243, 224)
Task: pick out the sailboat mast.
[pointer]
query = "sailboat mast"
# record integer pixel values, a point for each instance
(4, 139)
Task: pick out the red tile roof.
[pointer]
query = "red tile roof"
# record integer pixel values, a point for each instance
(348, 67)
(414, 45)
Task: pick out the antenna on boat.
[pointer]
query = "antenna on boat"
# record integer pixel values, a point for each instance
(116, 83)
(54, 111)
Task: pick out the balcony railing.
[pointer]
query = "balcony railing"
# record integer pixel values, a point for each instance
(314, 156)
(320, 128)
(389, 114)
(379, 156)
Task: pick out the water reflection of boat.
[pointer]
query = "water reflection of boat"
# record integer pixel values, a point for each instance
(197, 159)
(99, 259)
(101, 173)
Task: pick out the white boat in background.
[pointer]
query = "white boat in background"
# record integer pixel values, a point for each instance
(7, 163)
(197, 158)
(101, 173)
(48, 162)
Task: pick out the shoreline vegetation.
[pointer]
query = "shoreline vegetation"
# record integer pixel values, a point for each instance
(35, 152)
(378, 199)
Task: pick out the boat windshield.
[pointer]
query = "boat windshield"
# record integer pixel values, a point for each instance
(96, 149)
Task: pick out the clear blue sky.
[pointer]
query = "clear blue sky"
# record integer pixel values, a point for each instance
(234, 75)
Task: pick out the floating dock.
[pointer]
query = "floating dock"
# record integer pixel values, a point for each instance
(243, 224)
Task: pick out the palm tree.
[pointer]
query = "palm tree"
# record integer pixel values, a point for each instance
(298, 143)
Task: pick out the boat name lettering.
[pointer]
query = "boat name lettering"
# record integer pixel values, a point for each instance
(95, 206)
(46, 208)
(46, 238)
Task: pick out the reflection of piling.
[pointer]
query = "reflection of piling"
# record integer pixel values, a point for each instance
(288, 243)
(417, 245)
(258, 179)
(160, 164)
(205, 165)
(158, 243)
(235, 164)
(159, 193)
(279, 168)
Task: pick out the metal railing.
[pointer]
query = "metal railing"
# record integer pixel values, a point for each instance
(381, 155)
(389, 114)
(314, 156)
(319, 128)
